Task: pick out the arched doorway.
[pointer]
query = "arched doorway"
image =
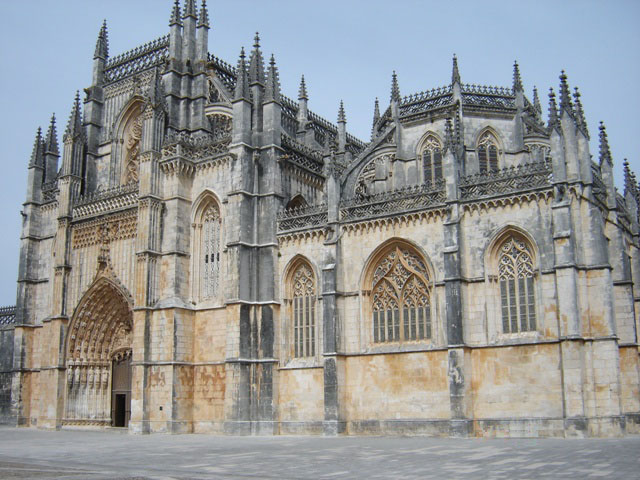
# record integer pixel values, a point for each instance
(98, 357)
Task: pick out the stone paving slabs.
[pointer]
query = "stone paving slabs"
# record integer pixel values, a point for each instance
(112, 454)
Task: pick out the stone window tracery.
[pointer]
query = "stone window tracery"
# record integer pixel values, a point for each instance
(303, 315)
(210, 252)
(487, 153)
(431, 160)
(400, 298)
(516, 279)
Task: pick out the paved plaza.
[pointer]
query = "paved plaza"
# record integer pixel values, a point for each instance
(111, 454)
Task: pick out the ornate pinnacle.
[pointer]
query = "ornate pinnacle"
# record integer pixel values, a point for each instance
(74, 126)
(565, 96)
(175, 14)
(272, 89)
(36, 154)
(455, 74)
(395, 89)
(605, 152)
(52, 137)
(242, 83)
(102, 44)
(256, 63)
(458, 129)
(203, 21)
(342, 118)
(302, 92)
(581, 121)
(376, 118)
(517, 81)
(190, 9)
(536, 102)
(553, 110)
(629, 182)
(448, 135)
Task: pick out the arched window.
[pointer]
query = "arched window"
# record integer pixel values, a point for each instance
(210, 252)
(431, 160)
(400, 298)
(303, 311)
(517, 293)
(487, 153)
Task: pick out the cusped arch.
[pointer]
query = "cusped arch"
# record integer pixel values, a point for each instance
(502, 234)
(429, 137)
(489, 130)
(290, 270)
(207, 247)
(205, 201)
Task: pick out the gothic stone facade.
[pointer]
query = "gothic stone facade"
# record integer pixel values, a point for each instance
(212, 256)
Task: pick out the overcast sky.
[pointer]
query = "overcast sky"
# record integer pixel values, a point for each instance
(346, 49)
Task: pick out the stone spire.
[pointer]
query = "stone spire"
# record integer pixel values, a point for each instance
(580, 119)
(455, 74)
(175, 14)
(536, 102)
(37, 155)
(203, 20)
(565, 96)
(190, 9)
(272, 89)
(517, 80)
(342, 128)
(74, 126)
(52, 137)
(342, 118)
(256, 63)
(376, 118)
(605, 152)
(102, 44)
(302, 91)
(629, 182)
(553, 110)
(395, 89)
(242, 82)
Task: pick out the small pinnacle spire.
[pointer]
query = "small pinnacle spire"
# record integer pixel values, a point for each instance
(272, 89)
(52, 137)
(376, 117)
(536, 101)
(302, 91)
(37, 153)
(553, 110)
(342, 118)
(102, 44)
(448, 135)
(175, 14)
(242, 83)
(580, 119)
(190, 9)
(455, 74)
(395, 89)
(565, 96)
(517, 81)
(458, 128)
(256, 41)
(629, 181)
(256, 62)
(605, 152)
(75, 119)
(203, 21)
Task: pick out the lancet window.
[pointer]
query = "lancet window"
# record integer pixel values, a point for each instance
(210, 252)
(487, 153)
(432, 160)
(400, 298)
(517, 292)
(303, 311)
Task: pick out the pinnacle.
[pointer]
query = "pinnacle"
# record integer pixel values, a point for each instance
(448, 142)
(272, 89)
(36, 154)
(256, 41)
(256, 63)
(302, 92)
(242, 82)
(565, 97)
(580, 119)
(203, 21)
(102, 44)
(395, 89)
(189, 9)
(455, 74)
(536, 101)
(52, 137)
(376, 117)
(553, 109)
(605, 152)
(342, 118)
(175, 14)
(75, 119)
(517, 80)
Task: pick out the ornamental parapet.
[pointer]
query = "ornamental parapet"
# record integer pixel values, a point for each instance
(121, 197)
(195, 148)
(528, 176)
(302, 218)
(137, 60)
(7, 315)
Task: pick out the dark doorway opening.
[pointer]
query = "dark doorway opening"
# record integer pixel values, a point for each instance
(121, 390)
(120, 414)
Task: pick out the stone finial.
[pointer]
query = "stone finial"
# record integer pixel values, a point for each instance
(517, 80)
(52, 137)
(256, 62)
(565, 96)
(455, 73)
(37, 155)
(395, 89)
(553, 110)
(342, 118)
(580, 119)
(242, 82)
(605, 152)
(272, 89)
(102, 44)
(536, 102)
(175, 14)
(302, 91)
(203, 20)
(74, 126)
(190, 9)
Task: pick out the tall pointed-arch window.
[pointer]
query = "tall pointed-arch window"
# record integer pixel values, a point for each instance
(400, 298)
(487, 153)
(432, 160)
(517, 293)
(303, 311)
(210, 252)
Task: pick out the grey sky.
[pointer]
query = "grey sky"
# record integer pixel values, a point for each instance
(346, 50)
